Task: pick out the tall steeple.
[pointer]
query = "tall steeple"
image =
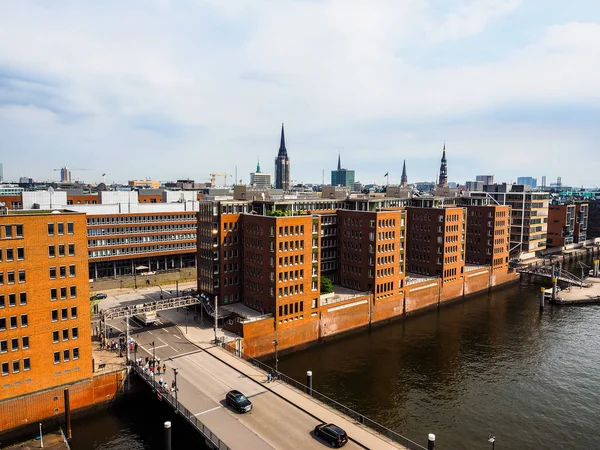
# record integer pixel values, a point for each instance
(443, 180)
(339, 161)
(282, 166)
(404, 178)
(282, 149)
(257, 165)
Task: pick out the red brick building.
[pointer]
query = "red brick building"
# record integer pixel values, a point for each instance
(488, 231)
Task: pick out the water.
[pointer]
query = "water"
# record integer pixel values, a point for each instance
(489, 364)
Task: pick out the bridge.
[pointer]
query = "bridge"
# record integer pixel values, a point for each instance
(119, 312)
(549, 271)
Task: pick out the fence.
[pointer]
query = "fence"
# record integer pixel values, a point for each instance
(390, 434)
(182, 410)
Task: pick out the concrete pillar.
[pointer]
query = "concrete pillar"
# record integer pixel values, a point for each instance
(67, 414)
(167, 435)
(542, 298)
(430, 441)
(596, 267)
(309, 384)
(554, 287)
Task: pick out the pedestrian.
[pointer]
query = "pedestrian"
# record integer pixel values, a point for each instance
(269, 377)
(135, 346)
(164, 368)
(173, 387)
(160, 381)
(158, 369)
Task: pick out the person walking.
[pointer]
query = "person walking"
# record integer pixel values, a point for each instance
(160, 381)
(164, 368)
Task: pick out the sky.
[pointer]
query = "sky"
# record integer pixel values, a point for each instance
(180, 89)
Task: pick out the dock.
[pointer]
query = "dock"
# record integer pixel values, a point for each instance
(580, 296)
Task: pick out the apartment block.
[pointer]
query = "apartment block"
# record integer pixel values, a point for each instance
(561, 225)
(44, 301)
(582, 211)
(488, 231)
(436, 242)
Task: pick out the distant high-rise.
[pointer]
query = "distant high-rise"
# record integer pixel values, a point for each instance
(282, 166)
(260, 179)
(342, 177)
(486, 179)
(443, 180)
(404, 178)
(529, 181)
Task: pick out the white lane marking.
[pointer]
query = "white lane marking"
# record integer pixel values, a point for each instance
(207, 411)
(151, 333)
(161, 346)
(178, 337)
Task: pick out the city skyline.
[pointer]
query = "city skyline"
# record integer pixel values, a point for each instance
(194, 88)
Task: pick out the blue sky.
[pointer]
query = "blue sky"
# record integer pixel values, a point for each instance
(177, 89)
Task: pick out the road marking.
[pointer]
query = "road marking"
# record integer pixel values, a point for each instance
(151, 333)
(207, 411)
(178, 337)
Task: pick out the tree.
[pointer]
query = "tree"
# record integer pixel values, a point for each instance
(326, 285)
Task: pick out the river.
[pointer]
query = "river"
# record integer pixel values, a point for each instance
(493, 363)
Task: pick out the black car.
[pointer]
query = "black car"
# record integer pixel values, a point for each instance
(238, 401)
(332, 434)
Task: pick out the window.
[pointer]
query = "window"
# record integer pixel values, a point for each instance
(25, 342)
(66, 355)
(73, 312)
(72, 270)
(4, 368)
(50, 229)
(63, 292)
(51, 251)
(54, 315)
(2, 323)
(56, 357)
(75, 333)
(21, 276)
(55, 336)
(10, 254)
(8, 231)
(22, 298)
(3, 346)
(76, 353)
(13, 322)
(16, 366)
(12, 300)
(14, 344)
(61, 249)
(20, 253)
(60, 228)
(63, 314)
(63, 271)
(73, 290)
(26, 364)
(70, 228)
(1, 278)
(53, 294)
(71, 249)
(65, 334)
(53, 273)
(24, 321)
(19, 230)
(0, 255)
(11, 277)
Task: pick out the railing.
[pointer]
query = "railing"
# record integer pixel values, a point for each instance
(381, 429)
(182, 410)
(158, 305)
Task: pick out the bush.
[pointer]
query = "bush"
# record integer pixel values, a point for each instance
(326, 285)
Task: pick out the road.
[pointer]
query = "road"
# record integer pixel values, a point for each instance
(203, 382)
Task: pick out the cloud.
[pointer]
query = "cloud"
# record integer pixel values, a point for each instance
(208, 82)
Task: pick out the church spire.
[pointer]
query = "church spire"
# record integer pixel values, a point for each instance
(257, 165)
(339, 161)
(404, 178)
(282, 149)
(443, 180)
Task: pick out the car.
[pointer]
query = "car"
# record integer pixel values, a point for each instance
(238, 401)
(101, 296)
(332, 434)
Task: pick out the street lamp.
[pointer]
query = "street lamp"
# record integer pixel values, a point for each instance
(154, 364)
(135, 278)
(275, 344)
(176, 389)
(492, 439)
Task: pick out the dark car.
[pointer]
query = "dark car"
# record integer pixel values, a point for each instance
(238, 401)
(101, 296)
(332, 434)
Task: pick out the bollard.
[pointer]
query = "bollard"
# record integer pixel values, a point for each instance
(68, 414)
(167, 435)
(542, 298)
(554, 287)
(430, 441)
(596, 266)
(309, 382)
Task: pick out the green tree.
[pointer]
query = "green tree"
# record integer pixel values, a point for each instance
(326, 285)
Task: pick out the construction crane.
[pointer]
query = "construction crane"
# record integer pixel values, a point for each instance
(213, 177)
(65, 173)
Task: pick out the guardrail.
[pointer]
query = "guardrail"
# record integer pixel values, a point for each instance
(182, 410)
(381, 429)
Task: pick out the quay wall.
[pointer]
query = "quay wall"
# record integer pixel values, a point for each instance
(32, 408)
(363, 311)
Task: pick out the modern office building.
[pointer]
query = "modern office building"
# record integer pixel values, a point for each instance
(528, 181)
(44, 301)
(567, 224)
(485, 179)
(342, 177)
(260, 179)
(282, 166)
(475, 186)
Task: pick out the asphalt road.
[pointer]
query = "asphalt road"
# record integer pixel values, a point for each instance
(203, 382)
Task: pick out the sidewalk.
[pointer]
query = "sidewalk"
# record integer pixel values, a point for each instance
(203, 337)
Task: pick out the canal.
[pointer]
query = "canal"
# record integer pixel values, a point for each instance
(493, 363)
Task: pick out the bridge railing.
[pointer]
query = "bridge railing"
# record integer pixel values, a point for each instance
(361, 419)
(182, 410)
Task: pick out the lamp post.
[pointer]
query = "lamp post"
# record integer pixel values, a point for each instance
(135, 278)
(176, 389)
(492, 439)
(154, 364)
(275, 344)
